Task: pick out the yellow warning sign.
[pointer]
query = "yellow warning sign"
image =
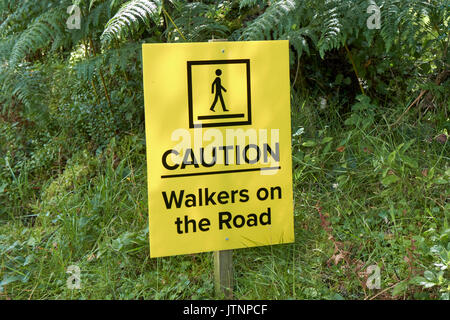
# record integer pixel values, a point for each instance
(218, 135)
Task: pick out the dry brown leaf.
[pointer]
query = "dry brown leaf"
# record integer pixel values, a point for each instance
(442, 138)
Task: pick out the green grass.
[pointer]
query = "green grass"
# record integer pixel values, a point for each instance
(365, 194)
(370, 178)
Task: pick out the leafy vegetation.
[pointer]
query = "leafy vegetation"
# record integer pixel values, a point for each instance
(370, 116)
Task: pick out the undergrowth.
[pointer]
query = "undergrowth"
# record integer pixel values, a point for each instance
(365, 194)
(370, 123)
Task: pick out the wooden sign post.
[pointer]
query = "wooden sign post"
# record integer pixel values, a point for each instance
(223, 260)
(223, 273)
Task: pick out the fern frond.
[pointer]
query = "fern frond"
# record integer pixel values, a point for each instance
(6, 45)
(129, 16)
(97, 16)
(24, 84)
(330, 38)
(267, 22)
(87, 69)
(251, 3)
(196, 22)
(48, 27)
(299, 39)
(112, 59)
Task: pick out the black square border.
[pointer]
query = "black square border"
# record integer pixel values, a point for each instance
(190, 99)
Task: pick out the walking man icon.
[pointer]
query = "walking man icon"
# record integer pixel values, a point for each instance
(217, 85)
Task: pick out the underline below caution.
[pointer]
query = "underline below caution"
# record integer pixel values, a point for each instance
(218, 172)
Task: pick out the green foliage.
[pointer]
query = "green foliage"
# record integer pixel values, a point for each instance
(198, 22)
(437, 247)
(367, 178)
(413, 40)
(370, 170)
(130, 15)
(176, 21)
(47, 28)
(269, 22)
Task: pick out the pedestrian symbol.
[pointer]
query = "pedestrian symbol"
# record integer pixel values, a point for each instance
(219, 93)
(217, 88)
